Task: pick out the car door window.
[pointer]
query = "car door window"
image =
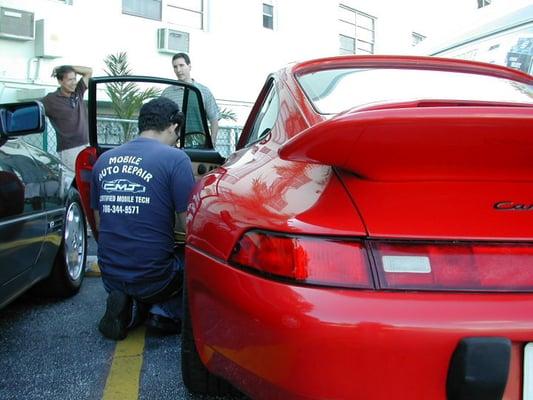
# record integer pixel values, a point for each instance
(266, 118)
(191, 105)
(118, 103)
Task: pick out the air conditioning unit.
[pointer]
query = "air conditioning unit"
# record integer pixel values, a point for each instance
(171, 41)
(48, 39)
(16, 24)
(30, 94)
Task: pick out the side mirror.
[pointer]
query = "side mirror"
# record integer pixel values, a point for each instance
(19, 119)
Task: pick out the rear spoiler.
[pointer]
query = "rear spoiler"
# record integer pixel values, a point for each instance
(424, 140)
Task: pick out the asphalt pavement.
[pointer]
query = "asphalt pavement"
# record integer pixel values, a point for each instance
(51, 349)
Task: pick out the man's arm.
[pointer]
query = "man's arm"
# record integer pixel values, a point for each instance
(212, 111)
(85, 72)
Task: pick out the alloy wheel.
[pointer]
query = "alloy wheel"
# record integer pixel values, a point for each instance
(74, 241)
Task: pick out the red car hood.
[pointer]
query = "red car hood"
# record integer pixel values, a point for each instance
(431, 169)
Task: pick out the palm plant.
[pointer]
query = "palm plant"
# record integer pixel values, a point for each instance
(126, 97)
(229, 114)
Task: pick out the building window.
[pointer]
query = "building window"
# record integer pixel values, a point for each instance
(142, 8)
(356, 31)
(268, 16)
(185, 12)
(483, 3)
(416, 38)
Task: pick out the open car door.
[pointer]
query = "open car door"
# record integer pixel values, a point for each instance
(114, 104)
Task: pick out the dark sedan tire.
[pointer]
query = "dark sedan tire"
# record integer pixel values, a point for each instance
(196, 376)
(69, 266)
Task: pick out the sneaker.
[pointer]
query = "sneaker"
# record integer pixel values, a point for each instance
(162, 325)
(114, 323)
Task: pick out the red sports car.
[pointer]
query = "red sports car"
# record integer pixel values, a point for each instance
(371, 237)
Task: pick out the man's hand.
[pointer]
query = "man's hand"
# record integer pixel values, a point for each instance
(180, 223)
(96, 219)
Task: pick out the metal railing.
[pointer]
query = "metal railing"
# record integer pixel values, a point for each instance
(114, 131)
(227, 139)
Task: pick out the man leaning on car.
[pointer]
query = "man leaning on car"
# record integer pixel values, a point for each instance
(67, 111)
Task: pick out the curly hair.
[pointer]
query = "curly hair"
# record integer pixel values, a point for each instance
(158, 114)
(61, 71)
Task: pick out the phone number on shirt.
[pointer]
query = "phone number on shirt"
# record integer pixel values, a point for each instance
(116, 209)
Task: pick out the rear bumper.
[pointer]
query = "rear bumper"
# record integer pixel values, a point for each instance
(274, 340)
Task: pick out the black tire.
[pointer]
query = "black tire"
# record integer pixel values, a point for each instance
(196, 376)
(68, 270)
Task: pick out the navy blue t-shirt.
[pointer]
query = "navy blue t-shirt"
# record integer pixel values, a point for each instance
(137, 188)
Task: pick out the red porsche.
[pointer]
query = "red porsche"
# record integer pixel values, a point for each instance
(371, 237)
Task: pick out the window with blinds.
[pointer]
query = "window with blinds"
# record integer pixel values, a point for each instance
(150, 9)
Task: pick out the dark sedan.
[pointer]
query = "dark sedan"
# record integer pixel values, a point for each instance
(43, 235)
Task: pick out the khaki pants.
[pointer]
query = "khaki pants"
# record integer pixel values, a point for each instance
(68, 157)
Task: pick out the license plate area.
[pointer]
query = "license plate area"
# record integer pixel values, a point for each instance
(528, 372)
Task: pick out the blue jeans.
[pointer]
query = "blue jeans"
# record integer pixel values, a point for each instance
(164, 297)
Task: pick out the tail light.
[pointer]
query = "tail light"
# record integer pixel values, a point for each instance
(84, 167)
(305, 259)
(404, 265)
(454, 266)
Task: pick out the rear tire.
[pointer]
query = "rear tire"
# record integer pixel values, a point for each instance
(196, 376)
(68, 270)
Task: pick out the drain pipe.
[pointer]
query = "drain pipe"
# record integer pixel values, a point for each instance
(37, 62)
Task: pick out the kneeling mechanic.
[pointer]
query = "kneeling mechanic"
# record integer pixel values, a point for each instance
(136, 214)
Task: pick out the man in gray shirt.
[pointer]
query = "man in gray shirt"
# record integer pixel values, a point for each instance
(181, 63)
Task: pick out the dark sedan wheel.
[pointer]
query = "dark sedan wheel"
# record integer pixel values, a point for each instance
(69, 266)
(196, 376)
(74, 250)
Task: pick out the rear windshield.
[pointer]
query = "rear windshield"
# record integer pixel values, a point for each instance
(337, 90)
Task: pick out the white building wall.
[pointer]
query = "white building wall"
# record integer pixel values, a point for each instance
(232, 55)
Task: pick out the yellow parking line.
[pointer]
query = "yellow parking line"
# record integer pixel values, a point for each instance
(124, 375)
